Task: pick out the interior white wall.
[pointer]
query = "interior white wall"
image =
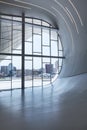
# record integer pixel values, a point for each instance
(74, 43)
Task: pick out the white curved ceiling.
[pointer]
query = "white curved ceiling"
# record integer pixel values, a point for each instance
(53, 8)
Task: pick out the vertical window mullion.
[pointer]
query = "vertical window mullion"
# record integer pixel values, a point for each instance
(23, 47)
(11, 48)
(41, 54)
(50, 49)
(32, 54)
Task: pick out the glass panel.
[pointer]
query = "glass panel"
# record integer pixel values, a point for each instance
(17, 26)
(17, 51)
(28, 48)
(5, 31)
(45, 24)
(46, 71)
(53, 35)
(28, 58)
(17, 38)
(5, 77)
(60, 45)
(17, 18)
(28, 72)
(28, 20)
(45, 37)
(46, 51)
(36, 65)
(60, 69)
(6, 17)
(60, 53)
(5, 46)
(46, 60)
(37, 71)
(5, 38)
(54, 48)
(36, 30)
(28, 33)
(37, 43)
(15, 70)
(54, 62)
(60, 62)
(36, 21)
(17, 41)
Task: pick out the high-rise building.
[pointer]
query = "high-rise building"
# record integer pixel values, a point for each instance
(4, 70)
(49, 68)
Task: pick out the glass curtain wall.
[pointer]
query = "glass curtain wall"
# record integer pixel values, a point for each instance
(43, 53)
(10, 52)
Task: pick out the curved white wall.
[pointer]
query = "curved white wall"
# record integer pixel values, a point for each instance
(74, 40)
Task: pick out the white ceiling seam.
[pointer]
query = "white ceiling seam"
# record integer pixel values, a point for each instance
(72, 19)
(68, 14)
(11, 4)
(80, 19)
(20, 1)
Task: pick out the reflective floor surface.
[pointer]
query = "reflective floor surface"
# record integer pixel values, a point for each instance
(62, 106)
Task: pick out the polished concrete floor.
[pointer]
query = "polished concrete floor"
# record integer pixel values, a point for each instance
(62, 106)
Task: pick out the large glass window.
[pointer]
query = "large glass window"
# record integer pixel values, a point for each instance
(42, 52)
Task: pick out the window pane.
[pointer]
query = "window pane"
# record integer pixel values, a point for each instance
(17, 26)
(28, 72)
(60, 53)
(53, 35)
(36, 21)
(60, 45)
(16, 38)
(54, 48)
(45, 61)
(36, 63)
(5, 39)
(37, 71)
(16, 72)
(54, 62)
(37, 43)
(46, 51)
(5, 46)
(5, 77)
(60, 62)
(28, 48)
(45, 36)
(6, 17)
(28, 20)
(46, 75)
(17, 18)
(37, 30)
(45, 24)
(28, 33)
